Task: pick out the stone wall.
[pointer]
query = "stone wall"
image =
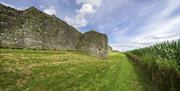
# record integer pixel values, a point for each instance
(110, 50)
(34, 29)
(94, 43)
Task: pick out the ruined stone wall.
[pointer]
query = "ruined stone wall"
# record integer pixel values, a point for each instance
(94, 43)
(34, 29)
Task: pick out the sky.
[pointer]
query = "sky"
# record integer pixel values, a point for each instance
(129, 24)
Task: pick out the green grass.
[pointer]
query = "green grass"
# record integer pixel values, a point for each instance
(42, 70)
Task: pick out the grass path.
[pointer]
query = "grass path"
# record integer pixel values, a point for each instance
(123, 76)
(34, 70)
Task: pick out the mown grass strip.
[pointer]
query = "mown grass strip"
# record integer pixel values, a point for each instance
(45, 70)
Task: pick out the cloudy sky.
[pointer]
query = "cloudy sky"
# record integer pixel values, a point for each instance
(129, 24)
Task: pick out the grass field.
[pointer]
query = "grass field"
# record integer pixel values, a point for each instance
(42, 70)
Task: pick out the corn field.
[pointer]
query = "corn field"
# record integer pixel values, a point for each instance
(166, 54)
(161, 63)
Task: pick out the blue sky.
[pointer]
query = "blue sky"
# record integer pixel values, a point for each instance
(129, 24)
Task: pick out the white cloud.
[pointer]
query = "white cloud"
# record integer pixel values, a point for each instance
(89, 7)
(86, 9)
(158, 28)
(166, 30)
(163, 27)
(80, 19)
(96, 3)
(51, 10)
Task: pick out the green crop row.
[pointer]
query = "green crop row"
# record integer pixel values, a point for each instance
(161, 63)
(166, 54)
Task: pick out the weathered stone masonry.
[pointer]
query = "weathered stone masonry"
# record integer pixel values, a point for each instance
(34, 29)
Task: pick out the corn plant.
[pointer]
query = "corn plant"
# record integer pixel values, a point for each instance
(164, 54)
